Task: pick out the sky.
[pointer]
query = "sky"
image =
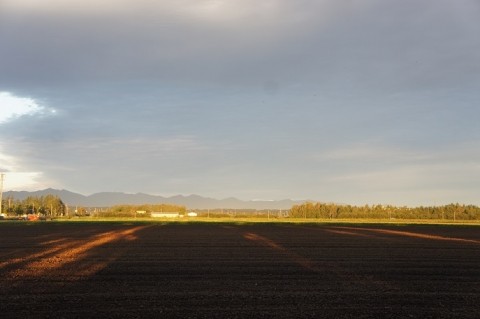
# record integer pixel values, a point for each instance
(355, 102)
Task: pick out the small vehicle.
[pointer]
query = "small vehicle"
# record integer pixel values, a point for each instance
(32, 217)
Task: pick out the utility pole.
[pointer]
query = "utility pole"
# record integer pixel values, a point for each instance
(2, 175)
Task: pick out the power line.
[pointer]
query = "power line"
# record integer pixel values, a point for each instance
(2, 175)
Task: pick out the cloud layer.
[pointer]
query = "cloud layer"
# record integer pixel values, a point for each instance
(368, 101)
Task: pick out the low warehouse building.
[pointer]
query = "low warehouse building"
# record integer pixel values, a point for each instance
(165, 214)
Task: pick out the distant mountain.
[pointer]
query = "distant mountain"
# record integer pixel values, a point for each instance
(106, 199)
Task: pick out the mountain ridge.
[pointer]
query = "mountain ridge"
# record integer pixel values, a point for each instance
(193, 201)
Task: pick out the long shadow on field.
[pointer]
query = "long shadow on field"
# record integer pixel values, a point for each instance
(368, 232)
(331, 266)
(266, 242)
(66, 256)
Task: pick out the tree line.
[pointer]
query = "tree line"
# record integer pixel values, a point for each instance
(48, 205)
(53, 206)
(332, 211)
(139, 210)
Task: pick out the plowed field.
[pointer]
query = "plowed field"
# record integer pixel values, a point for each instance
(115, 270)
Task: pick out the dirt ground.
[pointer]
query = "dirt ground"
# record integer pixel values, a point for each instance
(115, 270)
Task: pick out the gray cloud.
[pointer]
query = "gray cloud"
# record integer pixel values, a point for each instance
(311, 41)
(217, 96)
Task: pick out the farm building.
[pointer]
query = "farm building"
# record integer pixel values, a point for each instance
(165, 214)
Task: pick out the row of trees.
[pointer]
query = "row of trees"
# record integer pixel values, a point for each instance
(331, 211)
(49, 205)
(145, 210)
(53, 206)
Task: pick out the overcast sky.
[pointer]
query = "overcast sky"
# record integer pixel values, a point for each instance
(365, 101)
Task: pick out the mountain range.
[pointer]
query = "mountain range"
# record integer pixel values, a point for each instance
(107, 199)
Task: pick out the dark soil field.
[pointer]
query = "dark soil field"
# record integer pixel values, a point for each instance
(201, 270)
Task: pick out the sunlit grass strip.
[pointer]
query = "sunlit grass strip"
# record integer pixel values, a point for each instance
(253, 220)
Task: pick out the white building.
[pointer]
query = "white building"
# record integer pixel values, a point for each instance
(165, 214)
